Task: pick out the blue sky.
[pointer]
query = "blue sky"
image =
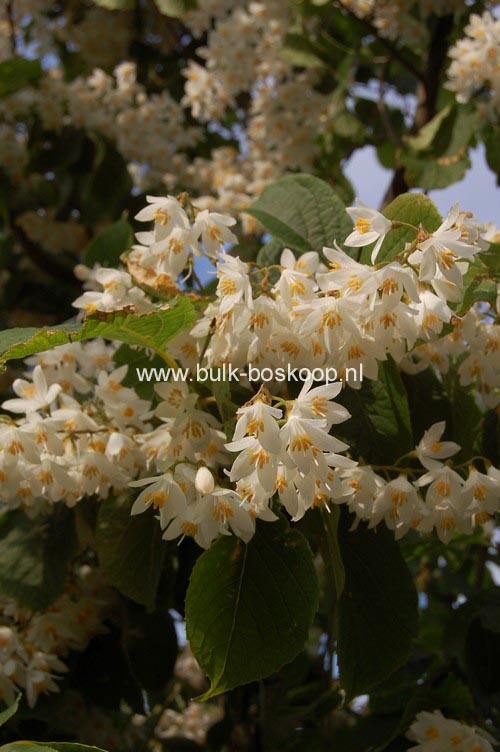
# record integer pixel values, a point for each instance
(477, 192)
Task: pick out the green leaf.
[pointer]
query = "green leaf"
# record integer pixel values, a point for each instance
(491, 258)
(106, 187)
(426, 134)
(7, 714)
(300, 51)
(26, 747)
(16, 73)
(48, 747)
(380, 427)
(413, 208)
(447, 161)
(334, 560)
(116, 4)
(249, 607)
(429, 173)
(270, 253)
(150, 643)
(491, 137)
(107, 247)
(302, 212)
(34, 555)
(130, 550)
(478, 289)
(175, 8)
(151, 330)
(378, 614)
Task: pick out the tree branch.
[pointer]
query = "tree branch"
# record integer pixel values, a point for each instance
(427, 94)
(394, 51)
(12, 27)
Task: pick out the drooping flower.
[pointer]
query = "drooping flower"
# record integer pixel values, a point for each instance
(370, 226)
(431, 450)
(32, 395)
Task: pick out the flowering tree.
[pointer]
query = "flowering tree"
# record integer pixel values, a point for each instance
(293, 460)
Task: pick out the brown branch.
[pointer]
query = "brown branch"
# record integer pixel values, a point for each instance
(395, 52)
(427, 94)
(12, 27)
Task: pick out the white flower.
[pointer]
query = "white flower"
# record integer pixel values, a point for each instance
(259, 420)
(431, 449)
(370, 226)
(163, 494)
(234, 285)
(34, 395)
(316, 403)
(435, 733)
(306, 440)
(253, 457)
(166, 212)
(439, 253)
(295, 281)
(480, 495)
(214, 230)
(399, 503)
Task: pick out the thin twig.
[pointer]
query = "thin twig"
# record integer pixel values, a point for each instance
(382, 108)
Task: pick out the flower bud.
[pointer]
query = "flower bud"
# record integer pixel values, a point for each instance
(204, 481)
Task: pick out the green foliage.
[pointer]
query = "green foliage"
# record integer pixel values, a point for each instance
(107, 187)
(270, 253)
(299, 50)
(478, 289)
(6, 714)
(116, 4)
(424, 138)
(48, 747)
(150, 643)
(17, 73)
(249, 606)
(34, 555)
(151, 330)
(378, 605)
(130, 550)
(302, 212)
(439, 154)
(107, 247)
(175, 8)
(380, 428)
(492, 145)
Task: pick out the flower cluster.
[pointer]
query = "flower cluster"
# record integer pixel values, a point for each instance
(451, 502)
(432, 732)
(74, 425)
(158, 259)
(192, 723)
(473, 348)
(475, 69)
(346, 315)
(243, 53)
(294, 459)
(148, 130)
(71, 429)
(33, 644)
(403, 20)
